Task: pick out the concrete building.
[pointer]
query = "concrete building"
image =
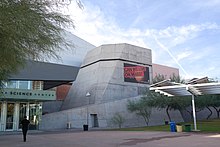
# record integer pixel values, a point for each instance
(75, 54)
(103, 75)
(25, 92)
(39, 84)
(166, 71)
(109, 76)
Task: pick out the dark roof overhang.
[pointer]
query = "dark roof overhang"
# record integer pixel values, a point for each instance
(52, 74)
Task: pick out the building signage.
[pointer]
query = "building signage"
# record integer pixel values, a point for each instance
(26, 94)
(136, 73)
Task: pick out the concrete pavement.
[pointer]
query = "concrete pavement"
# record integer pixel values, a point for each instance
(110, 139)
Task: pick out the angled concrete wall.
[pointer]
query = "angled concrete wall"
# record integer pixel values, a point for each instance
(102, 75)
(105, 111)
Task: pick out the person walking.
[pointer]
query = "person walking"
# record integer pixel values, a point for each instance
(25, 123)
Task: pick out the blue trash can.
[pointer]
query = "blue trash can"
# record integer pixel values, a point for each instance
(172, 126)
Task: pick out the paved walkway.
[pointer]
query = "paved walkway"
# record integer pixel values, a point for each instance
(110, 139)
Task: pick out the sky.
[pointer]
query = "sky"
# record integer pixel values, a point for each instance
(181, 33)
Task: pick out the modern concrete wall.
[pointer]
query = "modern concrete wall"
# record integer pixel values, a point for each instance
(102, 75)
(51, 106)
(105, 111)
(200, 115)
(119, 51)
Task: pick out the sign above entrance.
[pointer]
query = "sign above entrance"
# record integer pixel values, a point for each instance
(24, 94)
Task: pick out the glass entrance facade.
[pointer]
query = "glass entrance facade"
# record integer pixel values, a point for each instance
(19, 99)
(22, 112)
(10, 116)
(35, 111)
(13, 112)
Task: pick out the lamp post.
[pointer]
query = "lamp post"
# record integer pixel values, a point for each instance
(87, 111)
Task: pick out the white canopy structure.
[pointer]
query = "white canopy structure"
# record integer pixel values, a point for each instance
(193, 88)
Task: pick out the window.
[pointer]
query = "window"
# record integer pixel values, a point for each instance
(37, 85)
(11, 84)
(23, 85)
(19, 84)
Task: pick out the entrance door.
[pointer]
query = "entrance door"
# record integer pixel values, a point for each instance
(35, 111)
(10, 116)
(22, 112)
(94, 119)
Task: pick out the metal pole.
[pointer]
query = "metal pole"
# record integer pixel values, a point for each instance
(87, 107)
(87, 115)
(194, 112)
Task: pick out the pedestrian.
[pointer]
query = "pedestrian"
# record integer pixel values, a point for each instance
(25, 123)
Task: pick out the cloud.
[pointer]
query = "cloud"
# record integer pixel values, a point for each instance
(97, 28)
(179, 35)
(205, 3)
(183, 55)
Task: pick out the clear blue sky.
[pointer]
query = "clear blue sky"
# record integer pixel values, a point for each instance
(181, 33)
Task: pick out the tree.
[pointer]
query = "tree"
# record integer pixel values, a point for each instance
(158, 78)
(118, 119)
(184, 103)
(215, 103)
(168, 103)
(163, 102)
(202, 102)
(177, 79)
(29, 29)
(141, 108)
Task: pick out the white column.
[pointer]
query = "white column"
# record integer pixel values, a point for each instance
(16, 117)
(27, 110)
(4, 115)
(194, 112)
(29, 84)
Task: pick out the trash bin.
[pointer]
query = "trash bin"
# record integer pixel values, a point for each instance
(85, 127)
(68, 125)
(172, 126)
(187, 128)
(179, 128)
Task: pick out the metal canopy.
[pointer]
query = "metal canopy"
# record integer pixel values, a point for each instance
(193, 88)
(187, 89)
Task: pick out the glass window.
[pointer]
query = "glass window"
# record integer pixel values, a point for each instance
(11, 84)
(37, 85)
(23, 112)
(23, 85)
(35, 114)
(18, 84)
(10, 116)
